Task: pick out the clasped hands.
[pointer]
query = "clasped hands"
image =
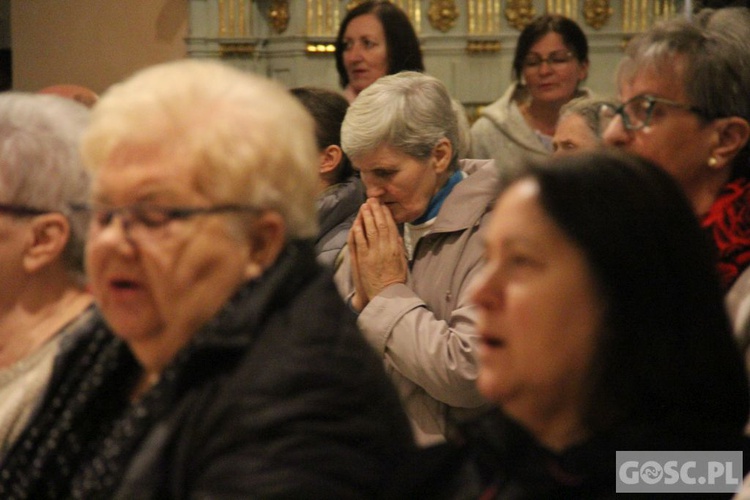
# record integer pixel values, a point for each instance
(376, 250)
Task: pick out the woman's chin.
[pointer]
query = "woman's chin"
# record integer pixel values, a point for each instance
(129, 329)
(492, 388)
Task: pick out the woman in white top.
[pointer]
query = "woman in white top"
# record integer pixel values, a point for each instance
(550, 62)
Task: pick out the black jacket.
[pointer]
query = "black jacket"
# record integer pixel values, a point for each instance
(278, 397)
(495, 458)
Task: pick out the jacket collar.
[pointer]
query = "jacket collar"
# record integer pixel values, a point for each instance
(470, 198)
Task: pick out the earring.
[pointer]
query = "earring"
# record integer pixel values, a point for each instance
(712, 161)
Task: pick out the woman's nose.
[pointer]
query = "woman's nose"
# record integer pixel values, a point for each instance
(374, 190)
(487, 290)
(354, 53)
(116, 234)
(615, 134)
(545, 67)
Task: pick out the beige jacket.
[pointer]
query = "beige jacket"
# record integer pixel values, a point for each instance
(425, 329)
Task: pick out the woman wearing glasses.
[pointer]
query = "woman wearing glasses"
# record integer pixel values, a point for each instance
(43, 298)
(685, 89)
(223, 363)
(550, 62)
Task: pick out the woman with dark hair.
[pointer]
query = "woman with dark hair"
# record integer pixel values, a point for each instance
(375, 39)
(340, 192)
(550, 62)
(602, 329)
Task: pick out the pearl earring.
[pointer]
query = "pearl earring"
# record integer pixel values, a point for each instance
(712, 161)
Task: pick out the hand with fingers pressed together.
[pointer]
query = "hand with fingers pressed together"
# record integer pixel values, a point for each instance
(377, 252)
(415, 246)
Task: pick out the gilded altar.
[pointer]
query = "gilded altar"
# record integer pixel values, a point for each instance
(469, 44)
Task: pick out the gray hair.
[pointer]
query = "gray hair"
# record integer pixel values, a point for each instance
(248, 139)
(408, 111)
(713, 51)
(587, 108)
(40, 164)
(464, 129)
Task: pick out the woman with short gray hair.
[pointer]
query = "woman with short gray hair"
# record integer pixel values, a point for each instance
(416, 245)
(44, 298)
(579, 126)
(685, 92)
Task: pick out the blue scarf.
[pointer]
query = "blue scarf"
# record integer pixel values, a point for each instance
(437, 201)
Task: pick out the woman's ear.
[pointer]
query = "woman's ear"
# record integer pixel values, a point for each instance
(47, 240)
(733, 134)
(583, 71)
(267, 237)
(442, 154)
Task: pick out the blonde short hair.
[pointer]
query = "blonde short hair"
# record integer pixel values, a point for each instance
(249, 140)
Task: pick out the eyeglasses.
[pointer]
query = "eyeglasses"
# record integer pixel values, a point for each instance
(143, 221)
(557, 58)
(21, 210)
(637, 112)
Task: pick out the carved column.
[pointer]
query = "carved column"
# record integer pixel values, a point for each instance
(443, 14)
(596, 13)
(278, 15)
(519, 13)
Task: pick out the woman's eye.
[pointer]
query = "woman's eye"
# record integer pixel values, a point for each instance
(151, 217)
(658, 112)
(520, 262)
(368, 44)
(103, 217)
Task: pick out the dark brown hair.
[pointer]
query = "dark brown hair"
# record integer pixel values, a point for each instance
(402, 44)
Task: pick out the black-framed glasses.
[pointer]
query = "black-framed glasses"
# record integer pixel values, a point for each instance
(21, 210)
(636, 113)
(143, 220)
(556, 58)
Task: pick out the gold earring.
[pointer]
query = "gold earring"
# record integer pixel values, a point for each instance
(712, 161)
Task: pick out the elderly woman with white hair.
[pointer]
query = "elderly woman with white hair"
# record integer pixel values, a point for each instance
(224, 363)
(580, 126)
(416, 245)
